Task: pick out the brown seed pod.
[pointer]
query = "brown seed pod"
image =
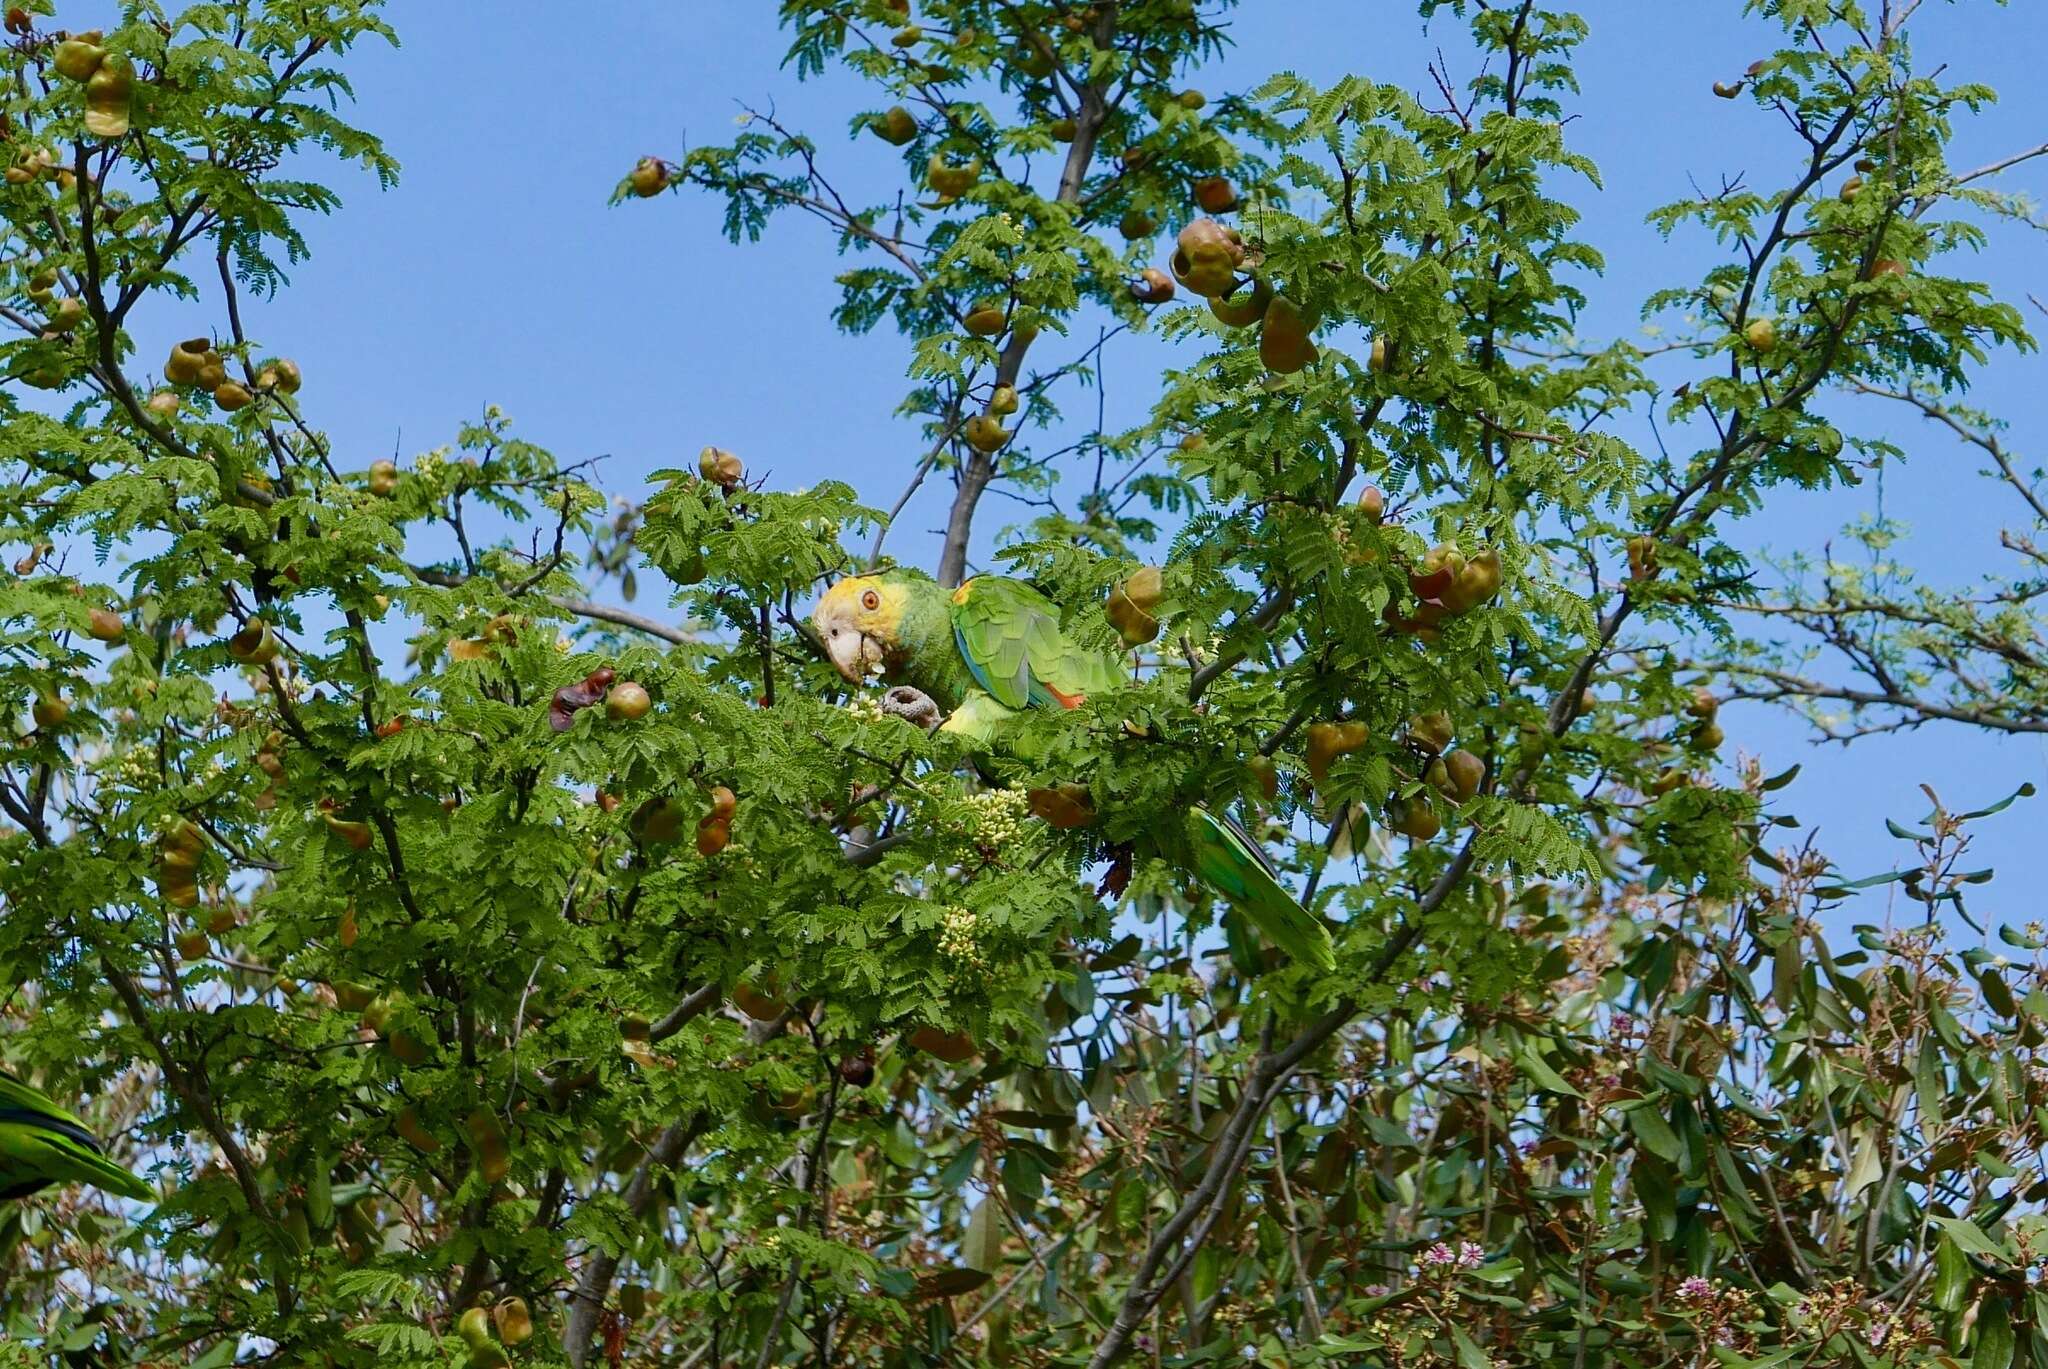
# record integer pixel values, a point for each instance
(1215, 195)
(858, 1069)
(1064, 806)
(1154, 286)
(569, 700)
(714, 834)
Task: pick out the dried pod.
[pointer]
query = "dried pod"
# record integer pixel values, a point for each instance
(569, 700)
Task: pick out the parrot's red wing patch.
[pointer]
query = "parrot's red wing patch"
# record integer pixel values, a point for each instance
(1067, 700)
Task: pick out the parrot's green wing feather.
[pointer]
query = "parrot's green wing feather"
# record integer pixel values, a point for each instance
(1009, 634)
(41, 1144)
(1229, 862)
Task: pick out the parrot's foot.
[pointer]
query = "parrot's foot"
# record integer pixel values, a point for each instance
(914, 706)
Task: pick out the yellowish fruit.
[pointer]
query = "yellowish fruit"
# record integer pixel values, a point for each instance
(985, 434)
(1727, 90)
(1206, 257)
(383, 478)
(720, 467)
(986, 318)
(1191, 99)
(1284, 344)
(513, 1320)
(254, 645)
(951, 179)
(627, 701)
(105, 625)
(282, 375)
(1062, 130)
(1372, 502)
(1381, 356)
(76, 59)
(231, 396)
(66, 314)
(1135, 625)
(1761, 334)
(1430, 731)
(1328, 741)
(896, 126)
(1241, 311)
(108, 92)
(1136, 224)
(1266, 775)
(1642, 557)
(49, 710)
(1466, 773)
(1003, 402)
(649, 177)
(1474, 584)
(186, 361)
(1414, 818)
(474, 1326)
(164, 404)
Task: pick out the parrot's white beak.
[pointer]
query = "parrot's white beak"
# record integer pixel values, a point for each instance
(854, 654)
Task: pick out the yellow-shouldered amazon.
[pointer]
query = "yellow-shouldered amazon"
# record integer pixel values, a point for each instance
(993, 647)
(41, 1144)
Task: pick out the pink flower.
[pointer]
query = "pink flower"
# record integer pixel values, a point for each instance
(1696, 1288)
(1470, 1255)
(1438, 1256)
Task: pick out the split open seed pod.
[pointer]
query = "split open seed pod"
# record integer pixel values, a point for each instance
(254, 645)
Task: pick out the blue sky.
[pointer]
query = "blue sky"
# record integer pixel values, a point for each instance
(497, 273)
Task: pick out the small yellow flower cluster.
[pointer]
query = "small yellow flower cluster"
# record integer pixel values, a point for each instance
(960, 938)
(867, 708)
(995, 817)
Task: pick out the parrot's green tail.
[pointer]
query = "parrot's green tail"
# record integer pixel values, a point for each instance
(41, 1144)
(1231, 863)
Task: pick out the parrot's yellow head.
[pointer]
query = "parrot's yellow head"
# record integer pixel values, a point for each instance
(859, 620)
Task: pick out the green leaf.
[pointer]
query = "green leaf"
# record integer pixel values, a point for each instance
(1995, 1343)
(1470, 1356)
(1655, 1133)
(982, 1247)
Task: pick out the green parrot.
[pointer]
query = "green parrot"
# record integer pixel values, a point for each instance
(992, 648)
(41, 1144)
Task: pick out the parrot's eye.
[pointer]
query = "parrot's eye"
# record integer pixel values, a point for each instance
(870, 601)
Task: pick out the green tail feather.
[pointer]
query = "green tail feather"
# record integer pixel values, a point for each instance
(1231, 864)
(41, 1144)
